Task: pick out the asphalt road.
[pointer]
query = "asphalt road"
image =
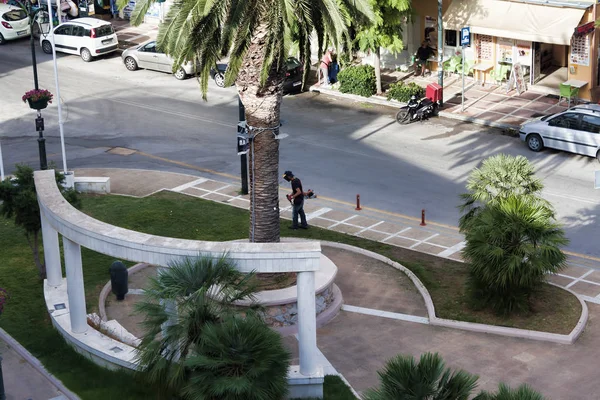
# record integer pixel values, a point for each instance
(336, 148)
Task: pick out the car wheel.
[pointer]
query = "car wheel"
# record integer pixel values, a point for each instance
(2, 40)
(220, 79)
(130, 64)
(86, 55)
(534, 142)
(402, 117)
(46, 47)
(598, 156)
(180, 74)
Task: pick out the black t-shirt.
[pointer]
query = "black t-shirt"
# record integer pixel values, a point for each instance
(424, 52)
(296, 184)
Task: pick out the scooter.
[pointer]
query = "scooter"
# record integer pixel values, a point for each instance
(417, 110)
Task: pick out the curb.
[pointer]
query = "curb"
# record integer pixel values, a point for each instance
(470, 326)
(107, 288)
(36, 364)
(396, 104)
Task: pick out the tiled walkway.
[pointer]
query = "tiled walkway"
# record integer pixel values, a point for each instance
(582, 276)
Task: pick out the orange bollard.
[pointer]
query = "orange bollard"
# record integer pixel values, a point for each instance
(358, 203)
(423, 217)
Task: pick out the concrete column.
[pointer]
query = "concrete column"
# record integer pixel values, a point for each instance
(75, 288)
(51, 253)
(307, 322)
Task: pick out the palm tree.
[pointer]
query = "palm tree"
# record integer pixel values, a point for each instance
(498, 177)
(257, 36)
(241, 358)
(403, 378)
(178, 304)
(523, 392)
(512, 245)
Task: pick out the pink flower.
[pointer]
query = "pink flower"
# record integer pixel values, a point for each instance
(37, 95)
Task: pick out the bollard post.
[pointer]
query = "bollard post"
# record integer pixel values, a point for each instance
(358, 203)
(423, 217)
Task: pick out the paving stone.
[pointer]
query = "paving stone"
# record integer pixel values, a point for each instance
(230, 191)
(346, 228)
(402, 242)
(337, 215)
(538, 106)
(429, 248)
(194, 192)
(530, 95)
(594, 277)
(377, 236)
(323, 223)
(491, 115)
(240, 203)
(416, 234)
(217, 197)
(363, 221)
(210, 185)
(586, 289)
(574, 271)
(503, 108)
(389, 227)
(559, 280)
(457, 256)
(445, 240)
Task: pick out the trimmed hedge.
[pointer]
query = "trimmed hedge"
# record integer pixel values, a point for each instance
(402, 92)
(358, 80)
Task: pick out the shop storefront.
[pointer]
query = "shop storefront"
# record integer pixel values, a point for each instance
(554, 43)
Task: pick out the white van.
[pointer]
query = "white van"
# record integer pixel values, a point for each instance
(87, 37)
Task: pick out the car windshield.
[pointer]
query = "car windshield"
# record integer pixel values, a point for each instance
(14, 15)
(544, 118)
(104, 30)
(292, 63)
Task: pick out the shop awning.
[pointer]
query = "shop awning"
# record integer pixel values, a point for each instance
(514, 20)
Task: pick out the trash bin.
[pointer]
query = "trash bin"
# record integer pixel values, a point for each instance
(118, 279)
(434, 92)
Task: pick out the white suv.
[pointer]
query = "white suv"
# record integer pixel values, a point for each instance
(88, 37)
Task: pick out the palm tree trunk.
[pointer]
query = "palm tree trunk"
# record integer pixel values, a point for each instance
(262, 106)
(377, 57)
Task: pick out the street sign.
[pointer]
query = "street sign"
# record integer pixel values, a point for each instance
(465, 36)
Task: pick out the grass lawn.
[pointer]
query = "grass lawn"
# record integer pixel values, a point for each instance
(176, 215)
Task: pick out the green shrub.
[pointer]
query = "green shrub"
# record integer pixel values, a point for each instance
(358, 80)
(402, 92)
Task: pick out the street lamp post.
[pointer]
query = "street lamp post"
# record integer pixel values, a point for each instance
(243, 157)
(39, 121)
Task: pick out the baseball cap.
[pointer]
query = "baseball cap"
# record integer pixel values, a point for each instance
(287, 173)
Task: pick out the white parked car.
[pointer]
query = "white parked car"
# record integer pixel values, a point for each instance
(14, 23)
(576, 130)
(87, 37)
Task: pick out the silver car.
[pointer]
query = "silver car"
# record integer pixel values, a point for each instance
(148, 56)
(576, 130)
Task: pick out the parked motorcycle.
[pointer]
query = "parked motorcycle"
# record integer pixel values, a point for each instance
(417, 110)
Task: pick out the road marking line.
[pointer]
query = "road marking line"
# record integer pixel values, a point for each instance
(576, 198)
(395, 234)
(451, 250)
(368, 228)
(317, 213)
(188, 185)
(342, 222)
(385, 314)
(423, 241)
(579, 279)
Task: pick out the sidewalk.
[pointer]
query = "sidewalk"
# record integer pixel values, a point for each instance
(24, 376)
(582, 276)
(488, 105)
(130, 36)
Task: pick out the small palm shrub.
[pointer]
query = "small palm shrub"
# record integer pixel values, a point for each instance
(498, 177)
(428, 379)
(523, 392)
(403, 92)
(511, 247)
(238, 359)
(358, 79)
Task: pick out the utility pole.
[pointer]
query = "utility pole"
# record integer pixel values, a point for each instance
(440, 50)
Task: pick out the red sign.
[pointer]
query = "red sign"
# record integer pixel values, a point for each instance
(585, 29)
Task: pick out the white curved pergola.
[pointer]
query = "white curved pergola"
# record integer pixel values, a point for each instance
(78, 229)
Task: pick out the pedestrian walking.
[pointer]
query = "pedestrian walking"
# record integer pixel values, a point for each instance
(297, 200)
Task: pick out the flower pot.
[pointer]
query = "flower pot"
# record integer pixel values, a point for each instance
(38, 105)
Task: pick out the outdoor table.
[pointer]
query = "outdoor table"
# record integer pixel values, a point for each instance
(482, 68)
(574, 83)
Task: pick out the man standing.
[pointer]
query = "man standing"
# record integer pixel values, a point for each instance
(297, 200)
(423, 54)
